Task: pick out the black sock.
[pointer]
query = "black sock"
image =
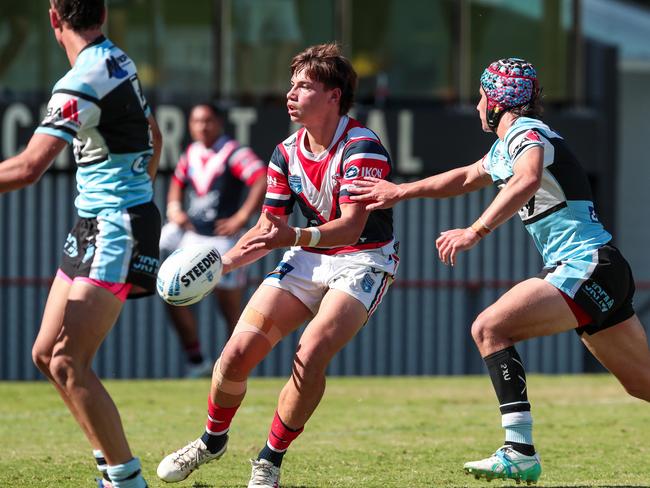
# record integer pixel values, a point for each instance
(214, 443)
(272, 456)
(509, 380)
(525, 449)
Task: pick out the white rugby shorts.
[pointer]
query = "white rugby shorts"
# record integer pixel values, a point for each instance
(364, 275)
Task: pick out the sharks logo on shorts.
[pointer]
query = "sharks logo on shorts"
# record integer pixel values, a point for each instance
(295, 183)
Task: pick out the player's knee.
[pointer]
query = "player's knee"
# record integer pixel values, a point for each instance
(481, 329)
(41, 358)
(62, 369)
(310, 362)
(233, 361)
(639, 387)
(69, 372)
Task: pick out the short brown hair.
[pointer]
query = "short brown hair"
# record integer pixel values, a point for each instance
(80, 15)
(326, 64)
(533, 109)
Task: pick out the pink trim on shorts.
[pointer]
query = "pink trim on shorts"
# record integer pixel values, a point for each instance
(63, 276)
(120, 290)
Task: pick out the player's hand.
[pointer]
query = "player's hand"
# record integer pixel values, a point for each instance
(377, 192)
(453, 241)
(229, 226)
(279, 234)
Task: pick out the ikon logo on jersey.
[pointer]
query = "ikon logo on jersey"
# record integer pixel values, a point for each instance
(354, 172)
(373, 172)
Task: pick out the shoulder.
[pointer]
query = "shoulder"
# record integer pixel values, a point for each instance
(103, 67)
(524, 128)
(359, 139)
(74, 84)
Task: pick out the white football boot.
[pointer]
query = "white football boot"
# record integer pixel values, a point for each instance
(507, 463)
(264, 474)
(179, 465)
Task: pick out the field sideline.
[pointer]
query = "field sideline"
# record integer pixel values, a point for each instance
(368, 432)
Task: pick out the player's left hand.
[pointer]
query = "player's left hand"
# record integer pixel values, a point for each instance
(453, 241)
(229, 226)
(279, 234)
(375, 192)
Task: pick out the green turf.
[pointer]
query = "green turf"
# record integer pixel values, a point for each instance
(367, 432)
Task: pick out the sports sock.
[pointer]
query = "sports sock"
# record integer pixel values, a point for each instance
(102, 467)
(217, 426)
(509, 380)
(127, 475)
(280, 437)
(193, 353)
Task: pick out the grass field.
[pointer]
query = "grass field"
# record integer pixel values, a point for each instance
(367, 432)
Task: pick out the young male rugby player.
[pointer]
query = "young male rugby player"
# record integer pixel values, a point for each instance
(112, 251)
(334, 276)
(586, 283)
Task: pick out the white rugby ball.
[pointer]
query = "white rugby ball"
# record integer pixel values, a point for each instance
(189, 274)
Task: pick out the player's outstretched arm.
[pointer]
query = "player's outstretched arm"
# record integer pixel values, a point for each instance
(27, 167)
(384, 194)
(241, 254)
(521, 187)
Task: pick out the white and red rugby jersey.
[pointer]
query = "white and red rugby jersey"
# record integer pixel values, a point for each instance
(216, 178)
(319, 183)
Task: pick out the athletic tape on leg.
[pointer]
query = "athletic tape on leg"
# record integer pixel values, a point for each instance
(228, 386)
(253, 321)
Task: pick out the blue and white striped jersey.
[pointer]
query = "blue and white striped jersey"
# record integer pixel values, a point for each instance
(560, 217)
(99, 107)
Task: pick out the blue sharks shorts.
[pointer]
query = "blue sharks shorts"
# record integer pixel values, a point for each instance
(117, 246)
(601, 284)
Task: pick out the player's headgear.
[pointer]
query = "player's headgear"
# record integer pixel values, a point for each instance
(508, 83)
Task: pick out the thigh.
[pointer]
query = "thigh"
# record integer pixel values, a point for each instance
(338, 320)
(284, 310)
(622, 349)
(90, 313)
(532, 308)
(52, 316)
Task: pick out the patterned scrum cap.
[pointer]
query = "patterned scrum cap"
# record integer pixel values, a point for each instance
(509, 82)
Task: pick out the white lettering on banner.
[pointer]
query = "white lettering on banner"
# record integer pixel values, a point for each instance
(242, 118)
(406, 163)
(376, 122)
(16, 115)
(171, 121)
(373, 172)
